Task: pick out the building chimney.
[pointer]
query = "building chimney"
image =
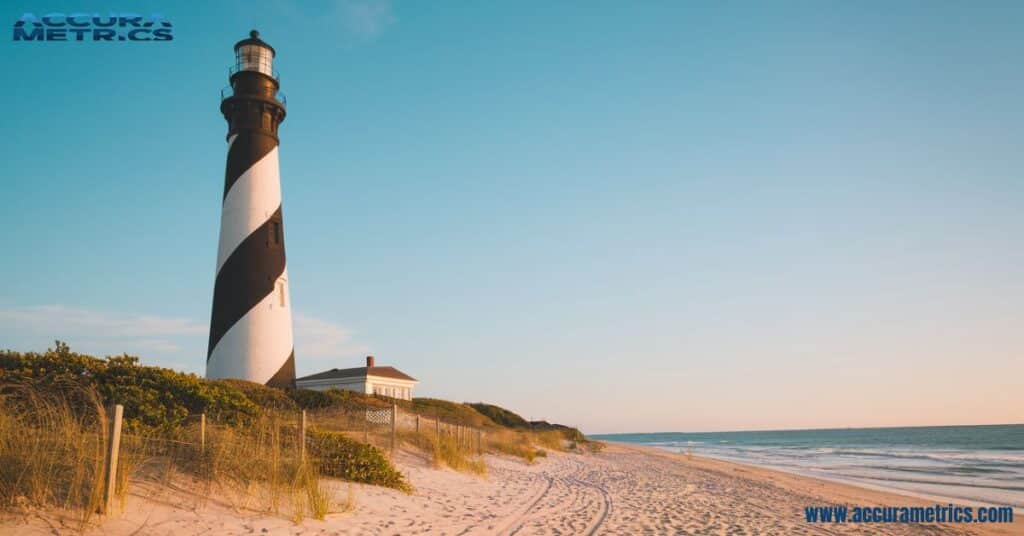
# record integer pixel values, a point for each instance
(369, 361)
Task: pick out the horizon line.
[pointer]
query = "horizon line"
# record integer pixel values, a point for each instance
(815, 429)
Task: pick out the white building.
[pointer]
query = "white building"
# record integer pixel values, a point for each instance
(371, 380)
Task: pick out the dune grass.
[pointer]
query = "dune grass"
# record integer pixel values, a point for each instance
(446, 451)
(53, 445)
(52, 450)
(513, 443)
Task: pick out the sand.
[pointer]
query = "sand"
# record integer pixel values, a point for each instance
(623, 490)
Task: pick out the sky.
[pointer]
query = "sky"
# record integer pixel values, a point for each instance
(627, 217)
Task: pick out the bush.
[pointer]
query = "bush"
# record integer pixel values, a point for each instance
(268, 398)
(338, 456)
(334, 399)
(500, 416)
(567, 432)
(451, 412)
(153, 397)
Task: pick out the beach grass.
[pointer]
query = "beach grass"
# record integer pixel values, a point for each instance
(446, 451)
(51, 450)
(512, 443)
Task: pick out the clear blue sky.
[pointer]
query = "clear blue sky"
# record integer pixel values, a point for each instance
(624, 216)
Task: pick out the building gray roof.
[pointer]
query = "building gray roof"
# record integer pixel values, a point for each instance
(359, 372)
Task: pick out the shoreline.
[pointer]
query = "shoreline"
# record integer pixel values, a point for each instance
(625, 489)
(936, 498)
(866, 486)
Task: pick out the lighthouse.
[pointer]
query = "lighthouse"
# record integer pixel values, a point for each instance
(251, 323)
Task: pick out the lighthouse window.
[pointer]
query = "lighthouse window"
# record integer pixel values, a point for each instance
(275, 232)
(280, 293)
(255, 58)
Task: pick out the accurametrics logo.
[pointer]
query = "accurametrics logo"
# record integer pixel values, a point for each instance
(93, 27)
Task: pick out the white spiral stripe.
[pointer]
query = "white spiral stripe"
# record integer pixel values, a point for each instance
(250, 202)
(256, 346)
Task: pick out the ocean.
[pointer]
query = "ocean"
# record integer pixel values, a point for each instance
(981, 464)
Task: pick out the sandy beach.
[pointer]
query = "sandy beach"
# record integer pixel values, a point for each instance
(622, 490)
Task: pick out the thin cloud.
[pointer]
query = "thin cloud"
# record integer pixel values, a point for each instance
(155, 338)
(72, 321)
(365, 18)
(159, 340)
(349, 20)
(321, 340)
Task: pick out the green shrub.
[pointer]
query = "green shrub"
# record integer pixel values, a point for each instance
(338, 456)
(450, 412)
(567, 432)
(547, 434)
(500, 415)
(334, 399)
(268, 398)
(153, 397)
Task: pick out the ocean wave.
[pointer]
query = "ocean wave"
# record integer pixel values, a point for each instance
(953, 483)
(993, 459)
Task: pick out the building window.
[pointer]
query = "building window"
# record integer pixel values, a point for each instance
(275, 232)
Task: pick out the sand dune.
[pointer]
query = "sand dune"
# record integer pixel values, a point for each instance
(623, 490)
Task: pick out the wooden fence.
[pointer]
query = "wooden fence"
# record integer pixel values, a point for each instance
(379, 426)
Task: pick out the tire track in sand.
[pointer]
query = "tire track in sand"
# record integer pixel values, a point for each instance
(606, 502)
(567, 509)
(516, 523)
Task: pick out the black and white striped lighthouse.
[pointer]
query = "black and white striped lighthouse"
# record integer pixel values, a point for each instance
(251, 324)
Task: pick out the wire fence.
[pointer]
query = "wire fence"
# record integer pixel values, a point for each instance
(211, 452)
(67, 447)
(384, 426)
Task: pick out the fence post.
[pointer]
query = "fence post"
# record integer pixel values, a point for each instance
(480, 441)
(437, 425)
(114, 412)
(394, 425)
(366, 426)
(302, 436)
(202, 432)
(417, 423)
